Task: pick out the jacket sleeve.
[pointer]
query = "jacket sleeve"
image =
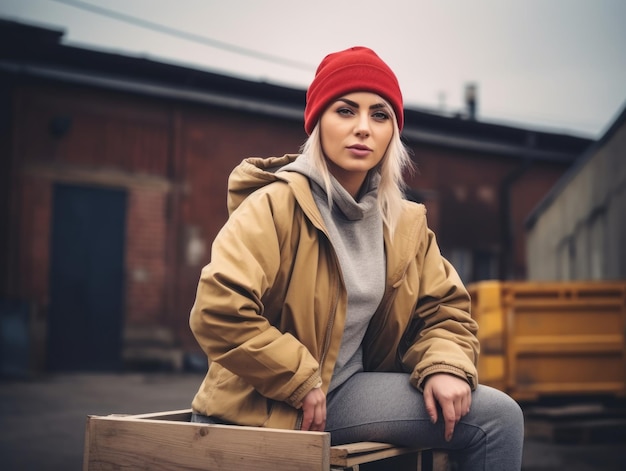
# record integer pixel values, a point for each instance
(227, 318)
(443, 334)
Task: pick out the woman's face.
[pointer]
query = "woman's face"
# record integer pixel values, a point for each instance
(355, 131)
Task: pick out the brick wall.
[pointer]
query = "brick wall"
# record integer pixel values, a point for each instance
(145, 258)
(34, 216)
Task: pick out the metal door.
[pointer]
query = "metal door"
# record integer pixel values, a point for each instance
(85, 315)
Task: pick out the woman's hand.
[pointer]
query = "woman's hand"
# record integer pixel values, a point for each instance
(314, 411)
(454, 396)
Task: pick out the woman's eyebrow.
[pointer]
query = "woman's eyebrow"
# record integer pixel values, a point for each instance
(354, 104)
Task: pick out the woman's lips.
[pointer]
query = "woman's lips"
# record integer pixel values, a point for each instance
(359, 150)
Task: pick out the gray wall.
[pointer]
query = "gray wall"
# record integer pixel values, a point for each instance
(579, 230)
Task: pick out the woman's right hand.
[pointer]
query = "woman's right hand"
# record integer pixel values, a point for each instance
(314, 411)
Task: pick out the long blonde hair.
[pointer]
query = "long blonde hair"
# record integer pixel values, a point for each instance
(396, 161)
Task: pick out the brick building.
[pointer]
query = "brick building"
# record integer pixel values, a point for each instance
(113, 177)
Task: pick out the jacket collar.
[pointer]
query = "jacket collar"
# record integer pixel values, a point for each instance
(254, 173)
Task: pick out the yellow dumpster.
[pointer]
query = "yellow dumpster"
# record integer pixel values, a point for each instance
(551, 338)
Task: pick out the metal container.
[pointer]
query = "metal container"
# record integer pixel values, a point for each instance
(551, 339)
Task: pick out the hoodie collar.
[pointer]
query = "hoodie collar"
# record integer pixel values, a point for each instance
(348, 207)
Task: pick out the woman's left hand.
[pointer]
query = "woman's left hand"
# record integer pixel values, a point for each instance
(454, 396)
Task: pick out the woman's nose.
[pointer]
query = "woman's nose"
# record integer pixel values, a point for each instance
(362, 127)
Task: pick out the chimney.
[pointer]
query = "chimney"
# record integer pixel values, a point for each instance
(471, 99)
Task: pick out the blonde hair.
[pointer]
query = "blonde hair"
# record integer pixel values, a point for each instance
(396, 161)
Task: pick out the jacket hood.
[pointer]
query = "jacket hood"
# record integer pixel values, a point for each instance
(254, 173)
(295, 169)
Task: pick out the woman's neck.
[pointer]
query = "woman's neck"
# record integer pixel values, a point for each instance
(351, 181)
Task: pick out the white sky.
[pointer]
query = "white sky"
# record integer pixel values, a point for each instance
(558, 65)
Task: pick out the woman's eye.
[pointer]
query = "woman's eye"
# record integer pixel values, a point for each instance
(345, 111)
(380, 115)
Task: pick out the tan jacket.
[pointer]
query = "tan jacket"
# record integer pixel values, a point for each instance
(270, 307)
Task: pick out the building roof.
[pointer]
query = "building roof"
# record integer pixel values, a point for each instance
(42, 56)
(577, 166)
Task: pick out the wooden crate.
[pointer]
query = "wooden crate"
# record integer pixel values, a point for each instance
(548, 339)
(168, 440)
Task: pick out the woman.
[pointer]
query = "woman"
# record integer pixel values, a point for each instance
(327, 304)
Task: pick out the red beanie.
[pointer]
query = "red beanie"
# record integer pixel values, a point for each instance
(353, 70)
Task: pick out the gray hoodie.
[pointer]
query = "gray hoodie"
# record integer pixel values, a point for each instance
(356, 233)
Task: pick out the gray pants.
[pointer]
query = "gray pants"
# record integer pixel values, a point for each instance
(384, 407)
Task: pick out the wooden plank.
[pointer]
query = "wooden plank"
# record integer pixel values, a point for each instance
(113, 443)
(440, 461)
(343, 451)
(365, 452)
(183, 415)
(425, 460)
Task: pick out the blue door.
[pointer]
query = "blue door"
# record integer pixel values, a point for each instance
(85, 315)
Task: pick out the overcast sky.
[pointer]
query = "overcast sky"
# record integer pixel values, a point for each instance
(558, 65)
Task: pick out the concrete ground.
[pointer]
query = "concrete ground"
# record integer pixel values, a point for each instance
(42, 421)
